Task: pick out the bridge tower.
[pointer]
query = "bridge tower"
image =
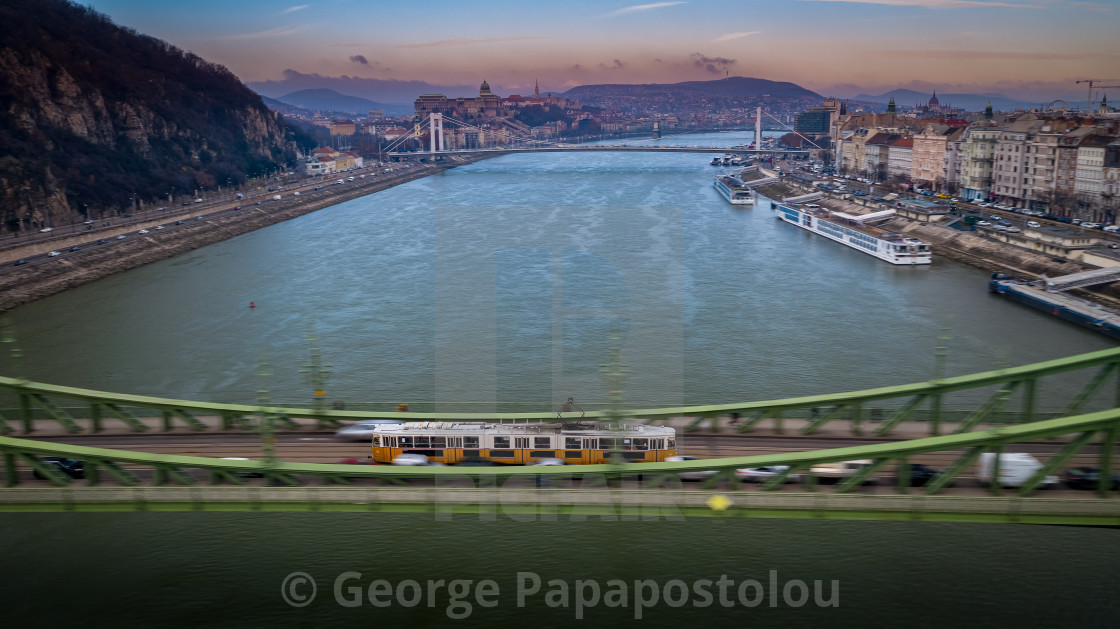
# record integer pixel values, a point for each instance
(656, 130)
(435, 129)
(758, 128)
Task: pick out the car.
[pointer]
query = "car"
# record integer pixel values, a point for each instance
(198, 200)
(363, 430)
(1014, 230)
(120, 237)
(142, 231)
(339, 181)
(920, 474)
(46, 229)
(70, 467)
(54, 253)
(983, 224)
(547, 461)
(697, 475)
(835, 471)
(186, 202)
(237, 207)
(75, 248)
(1086, 478)
(759, 474)
(318, 187)
(159, 226)
(20, 262)
(178, 222)
(1091, 225)
(198, 218)
(996, 217)
(1033, 224)
(1111, 228)
(413, 460)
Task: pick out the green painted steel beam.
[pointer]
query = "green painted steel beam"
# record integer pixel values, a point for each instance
(1089, 389)
(994, 403)
(977, 441)
(900, 415)
(939, 386)
(821, 420)
(1056, 462)
(120, 413)
(56, 413)
(945, 477)
(862, 476)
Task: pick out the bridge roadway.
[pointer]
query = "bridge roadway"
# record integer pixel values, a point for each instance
(601, 148)
(323, 447)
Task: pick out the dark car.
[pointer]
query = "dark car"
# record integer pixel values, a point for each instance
(19, 262)
(920, 474)
(75, 248)
(1086, 478)
(70, 467)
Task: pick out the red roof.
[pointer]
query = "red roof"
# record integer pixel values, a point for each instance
(323, 158)
(903, 142)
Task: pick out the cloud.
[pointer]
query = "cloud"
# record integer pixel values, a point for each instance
(447, 43)
(360, 59)
(712, 65)
(941, 4)
(637, 8)
(272, 32)
(293, 9)
(730, 36)
(988, 55)
(616, 65)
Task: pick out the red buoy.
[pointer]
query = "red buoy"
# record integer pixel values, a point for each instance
(252, 304)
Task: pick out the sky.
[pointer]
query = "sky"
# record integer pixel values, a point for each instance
(1029, 49)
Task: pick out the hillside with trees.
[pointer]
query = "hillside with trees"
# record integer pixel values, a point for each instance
(97, 118)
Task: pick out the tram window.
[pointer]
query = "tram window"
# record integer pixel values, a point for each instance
(672, 444)
(627, 444)
(501, 442)
(406, 442)
(591, 444)
(377, 441)
(641, 444)
(521, 442)
(607, 444)
(542, 442)
(439, 442)
(571, 443)
(422, 441)
(470, 442)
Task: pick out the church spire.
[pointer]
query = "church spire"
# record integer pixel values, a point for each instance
(536, 89)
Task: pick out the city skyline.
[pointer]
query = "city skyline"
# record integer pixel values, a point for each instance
(1027, 49)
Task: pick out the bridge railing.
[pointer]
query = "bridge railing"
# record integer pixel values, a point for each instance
(991, 399)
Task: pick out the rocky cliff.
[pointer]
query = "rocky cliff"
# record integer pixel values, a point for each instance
(95, 118)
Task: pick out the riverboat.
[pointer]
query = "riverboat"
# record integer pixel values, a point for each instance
(579, 442)
(734, 190)
(857, 232)
(1066, 307)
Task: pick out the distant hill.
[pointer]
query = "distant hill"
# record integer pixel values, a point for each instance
(324, 99)
(732, 87)
(95, 113)
(285, 108)
(968, 102)
(396, 96)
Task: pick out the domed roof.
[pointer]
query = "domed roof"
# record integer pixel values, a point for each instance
(484, 88)
(933, 102)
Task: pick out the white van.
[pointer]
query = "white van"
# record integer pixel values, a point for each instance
(1112, 228)
(1033, 224)
(275, 197)
(1014, 469)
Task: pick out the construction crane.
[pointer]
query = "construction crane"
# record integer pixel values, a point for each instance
(1091, 82)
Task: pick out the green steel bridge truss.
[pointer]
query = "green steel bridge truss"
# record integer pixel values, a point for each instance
(884, 407)
(1081, 430)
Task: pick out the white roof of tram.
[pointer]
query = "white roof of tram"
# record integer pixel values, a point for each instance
(593, 428)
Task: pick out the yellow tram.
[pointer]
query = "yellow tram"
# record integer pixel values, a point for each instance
(518, 444)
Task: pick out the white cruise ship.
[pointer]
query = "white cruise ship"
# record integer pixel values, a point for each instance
(734, 190)
(857, 232)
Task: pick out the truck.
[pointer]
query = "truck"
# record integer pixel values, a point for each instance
(1014, 469)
